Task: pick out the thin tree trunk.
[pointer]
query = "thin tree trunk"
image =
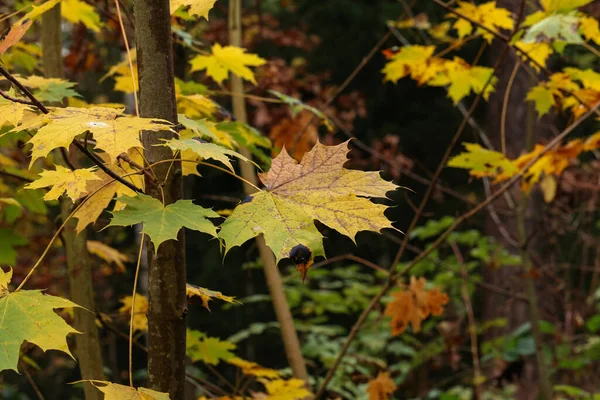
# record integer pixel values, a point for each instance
(166, 280)
(87, 345)
(291, 343)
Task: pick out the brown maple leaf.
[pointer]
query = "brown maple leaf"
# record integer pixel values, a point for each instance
(414, 305)
(381, 387)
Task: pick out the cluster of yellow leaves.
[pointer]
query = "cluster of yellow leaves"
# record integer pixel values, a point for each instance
(487, 14)
(62, 180)
(412, 306)
(227, 59)
(482, 162)
(382, 387)
(573, 89)
(421, 65)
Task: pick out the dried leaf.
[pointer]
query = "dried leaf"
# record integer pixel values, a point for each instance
(382, 387)
(206, 295)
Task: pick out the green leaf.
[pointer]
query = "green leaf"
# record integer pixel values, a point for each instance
(209, 350)
(28, 315)
(432, 228)
(163, 223)
(8, 241)
(296, 106)
(248, 137)
(206, 150)
(562, 27)
(593, 323)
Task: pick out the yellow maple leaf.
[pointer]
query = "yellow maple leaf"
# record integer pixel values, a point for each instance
(12, 113)
(253, 369)
(89, 211)
(297, 194)
(548, 93)
(286, 389)
(196, 106)
(206, 294)
(108, 254)
(197, 7)
(76, 11)
(382, 387)
(114, 391)
(464, 79)
(538, 52)
(410, 61)
(62, 180)
(140, 321)
(414, 305)
(551, 6)
(487, 14)
(19, 28)
(113, 133)
(483, 162)
(590, 29)
(227, 59)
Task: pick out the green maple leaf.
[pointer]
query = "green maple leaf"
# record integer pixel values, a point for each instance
(162, 223)
(296, 195)
(563, 27)
(28, 315)
(209, 350)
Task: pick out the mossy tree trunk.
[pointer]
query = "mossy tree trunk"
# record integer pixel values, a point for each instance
(87, 346)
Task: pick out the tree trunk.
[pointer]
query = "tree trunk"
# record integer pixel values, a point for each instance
(522, 130)
(87, 345)
(166, 280)
(289, 336)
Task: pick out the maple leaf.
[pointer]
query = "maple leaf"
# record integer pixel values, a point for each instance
(209, 350)
(487, 14)
(412, 306)
(104, 192)
(114, 391)
(548, 93)
(463, 78)
(590, 29)
(413, 61)
(49, 89)
(295, 195)
(285, 134)
(197, 7)
(538, 52)
(108, 254)
(204, 150)
(28, 315)
(162, 223)
(206, 295)
(227, 59)
(483, 162)
(246, 136)
(551, 6)
(140, 320)
(253, 369)
(563, 27)
(382, 387)
(76, 11)
(286, 389)
(114, 134)
(12, 113)
(62, 180)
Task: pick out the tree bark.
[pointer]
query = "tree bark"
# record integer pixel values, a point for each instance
(523, 128)
(166, 279)
(289, 336)
(87, 345)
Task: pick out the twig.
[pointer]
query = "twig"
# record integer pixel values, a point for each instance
(15, 100)
(135, 282)
(35, 387)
